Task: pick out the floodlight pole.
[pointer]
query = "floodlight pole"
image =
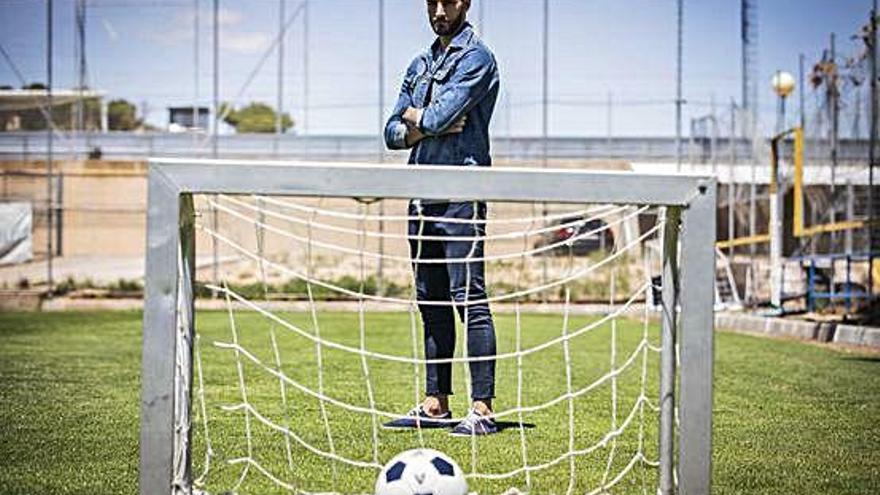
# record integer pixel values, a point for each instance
(872, 148)
(216, 59)
(215, 248)
(305, 119)
(835, 136)
(678, 89)
(195, 107)
(731, 184)
(545, 73)
(380, 268)
(50, 190)
(545, 97)
(714, 138)
(609, 123)
(80, 42)
(279, 102)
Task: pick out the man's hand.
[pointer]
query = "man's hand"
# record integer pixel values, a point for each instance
(457, 127)
(413, 135)
(413, 116)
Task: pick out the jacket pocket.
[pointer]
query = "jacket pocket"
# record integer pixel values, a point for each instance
(441, 74)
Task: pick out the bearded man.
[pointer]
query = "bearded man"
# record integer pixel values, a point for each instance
(442, 114)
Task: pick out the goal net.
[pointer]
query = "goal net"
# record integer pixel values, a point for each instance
(288, 307)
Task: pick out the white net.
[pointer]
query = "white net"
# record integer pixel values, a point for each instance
(309, 337)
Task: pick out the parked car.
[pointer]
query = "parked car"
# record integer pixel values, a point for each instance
(577, 236)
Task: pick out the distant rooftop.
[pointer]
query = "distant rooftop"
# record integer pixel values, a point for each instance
(24, 99)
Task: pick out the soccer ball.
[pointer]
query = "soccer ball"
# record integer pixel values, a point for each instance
(421, 472)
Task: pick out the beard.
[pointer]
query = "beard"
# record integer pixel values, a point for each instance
(447, 27)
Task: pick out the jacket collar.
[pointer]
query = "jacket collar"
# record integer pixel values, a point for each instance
(459, 41)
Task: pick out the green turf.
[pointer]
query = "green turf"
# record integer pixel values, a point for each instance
(789, 417)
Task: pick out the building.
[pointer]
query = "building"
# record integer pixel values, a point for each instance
(181, 119)
(27, 109)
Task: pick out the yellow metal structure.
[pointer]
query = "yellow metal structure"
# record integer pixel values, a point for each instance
(743, 241)
(798, 228)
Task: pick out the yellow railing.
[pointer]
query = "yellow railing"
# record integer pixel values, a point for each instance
(743, 241)
(798, 228)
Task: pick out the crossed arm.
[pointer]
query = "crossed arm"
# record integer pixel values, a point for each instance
(412, 117)
(447, 112)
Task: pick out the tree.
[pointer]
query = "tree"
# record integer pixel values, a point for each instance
(35, 86)
(256, 117)
(122, 116)
(5, 87)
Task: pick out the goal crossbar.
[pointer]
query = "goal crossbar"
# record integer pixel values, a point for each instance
(689, 236)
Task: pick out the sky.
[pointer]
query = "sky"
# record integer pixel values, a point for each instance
(621, 51)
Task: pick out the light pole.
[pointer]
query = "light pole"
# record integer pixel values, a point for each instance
(783, 85)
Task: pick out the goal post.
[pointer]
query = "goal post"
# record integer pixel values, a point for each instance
(686, 302)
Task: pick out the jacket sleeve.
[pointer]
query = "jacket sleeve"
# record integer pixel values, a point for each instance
(395, 128)
(471, 80)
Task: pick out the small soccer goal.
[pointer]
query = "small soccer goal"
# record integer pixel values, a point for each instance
(284, 326)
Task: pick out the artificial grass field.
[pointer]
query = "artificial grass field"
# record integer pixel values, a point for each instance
(789, 417)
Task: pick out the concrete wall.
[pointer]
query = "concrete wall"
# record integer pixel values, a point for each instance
(837, 333)
(104, 215)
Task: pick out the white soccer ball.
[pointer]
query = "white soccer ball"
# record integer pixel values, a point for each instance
(421, 472)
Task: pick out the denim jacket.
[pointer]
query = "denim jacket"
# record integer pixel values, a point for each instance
(463, 80)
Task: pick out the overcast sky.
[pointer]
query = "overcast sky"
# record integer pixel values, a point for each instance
(143, 50)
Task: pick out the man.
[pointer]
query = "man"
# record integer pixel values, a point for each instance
(443, 113)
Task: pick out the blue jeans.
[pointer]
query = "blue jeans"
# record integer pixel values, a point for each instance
(460, 282)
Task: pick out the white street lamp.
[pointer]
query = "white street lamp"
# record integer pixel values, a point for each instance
(783, 85)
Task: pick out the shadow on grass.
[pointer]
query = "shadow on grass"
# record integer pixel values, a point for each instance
(864, 359)
(504, 425)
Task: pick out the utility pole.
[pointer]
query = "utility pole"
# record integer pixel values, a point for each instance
(691, 143)
(380, 268)
(834, 100)
(279, 102)
(195, 108)
(216, 84)
(381, 77)
(731, 184)
(714, 137)
(544, 123)
(609, 122)
(80, 45)
(748, 40)
(78, 115)
(802, 118)
(305, 119)
(749, 54)
(678, 90)
(872, 153)
(50, 193)
(215, 248)
(545, 71)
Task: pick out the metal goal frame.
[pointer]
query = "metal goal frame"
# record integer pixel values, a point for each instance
(686, 301)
